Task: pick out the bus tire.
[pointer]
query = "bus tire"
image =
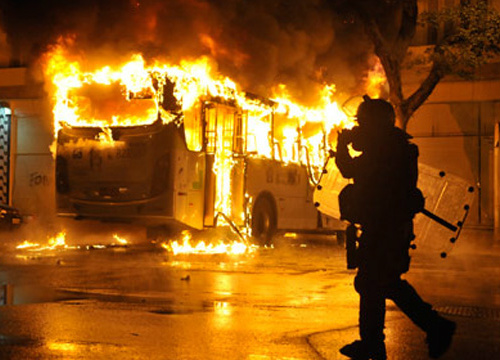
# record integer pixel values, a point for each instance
(264, 221)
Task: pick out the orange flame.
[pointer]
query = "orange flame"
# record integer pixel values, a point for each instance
(57, 242)
(188, 246)
(376, 80)
(120, 240)
(127, 96)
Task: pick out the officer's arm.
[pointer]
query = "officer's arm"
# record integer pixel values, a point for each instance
(344, 161)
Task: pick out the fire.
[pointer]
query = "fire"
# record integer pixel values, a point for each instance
(27, 245)
(105, 137)
(376, 80)
(57, 242)
(314, 124)
(188, 246)
(120, 240)
(127, 96)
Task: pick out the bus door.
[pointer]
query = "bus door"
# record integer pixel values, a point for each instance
(238, 200)
(219, 142)
(210, 112)
(190, 176)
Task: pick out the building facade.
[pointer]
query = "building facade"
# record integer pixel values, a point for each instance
(26, 163)
(455, 128)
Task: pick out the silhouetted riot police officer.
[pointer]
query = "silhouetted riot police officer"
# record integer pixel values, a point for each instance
(381, 204)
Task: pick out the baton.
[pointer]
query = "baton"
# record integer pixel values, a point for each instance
(439, 220)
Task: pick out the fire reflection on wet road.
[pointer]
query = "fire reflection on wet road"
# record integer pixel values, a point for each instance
(142, 302)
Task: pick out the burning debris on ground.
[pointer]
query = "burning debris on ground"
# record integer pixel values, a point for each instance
(58, 243)
(211, 245)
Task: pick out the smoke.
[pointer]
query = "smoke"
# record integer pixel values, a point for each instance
(259, 43)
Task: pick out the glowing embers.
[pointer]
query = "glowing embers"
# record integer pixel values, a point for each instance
(187, 245)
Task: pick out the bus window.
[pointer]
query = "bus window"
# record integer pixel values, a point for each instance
(228, 115)
(239, 133)
(193, 129)
(259, 135)
(210, 128)
(219, 128)
(286, 135)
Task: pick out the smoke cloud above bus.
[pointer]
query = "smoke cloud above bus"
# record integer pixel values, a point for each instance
(260, 43)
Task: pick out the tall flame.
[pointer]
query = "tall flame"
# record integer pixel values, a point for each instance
(129, 95)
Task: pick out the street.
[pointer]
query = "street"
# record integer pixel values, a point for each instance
(293, 301)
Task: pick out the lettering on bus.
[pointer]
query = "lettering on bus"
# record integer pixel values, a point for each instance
(131, 151)
(288, 176)
(293, 177)
(77, 154)
(95, 159)
(38, 179)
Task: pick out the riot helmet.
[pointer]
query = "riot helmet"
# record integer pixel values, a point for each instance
(375, 114)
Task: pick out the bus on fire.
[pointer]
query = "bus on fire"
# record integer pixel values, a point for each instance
(216, 161)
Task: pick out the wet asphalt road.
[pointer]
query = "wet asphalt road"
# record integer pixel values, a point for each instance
(292, 302)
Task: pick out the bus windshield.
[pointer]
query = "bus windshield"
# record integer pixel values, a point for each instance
(103, 105)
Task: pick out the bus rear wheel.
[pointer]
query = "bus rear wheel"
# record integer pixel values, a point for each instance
(263, 221)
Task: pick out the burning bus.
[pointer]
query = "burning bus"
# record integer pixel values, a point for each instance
(165, 144)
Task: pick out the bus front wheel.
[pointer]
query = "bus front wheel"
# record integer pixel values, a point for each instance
(263, 221)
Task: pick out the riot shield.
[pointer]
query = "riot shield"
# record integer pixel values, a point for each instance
(326, 194)
(447, 202)
(448, 197)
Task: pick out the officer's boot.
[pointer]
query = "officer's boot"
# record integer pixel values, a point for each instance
(360, 350)
(439, 336)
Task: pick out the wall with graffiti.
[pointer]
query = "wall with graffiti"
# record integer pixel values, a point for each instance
(33, 164)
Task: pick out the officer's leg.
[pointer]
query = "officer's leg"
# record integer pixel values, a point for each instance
(371, 310)
(408, 300)
(371, 322)
(439, 330)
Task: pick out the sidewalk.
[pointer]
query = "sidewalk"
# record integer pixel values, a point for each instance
(475, 338)
(465, 288)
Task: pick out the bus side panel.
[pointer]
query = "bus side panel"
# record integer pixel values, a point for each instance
(290, 189)
(189, 187)
(209, 198)
(238, 200)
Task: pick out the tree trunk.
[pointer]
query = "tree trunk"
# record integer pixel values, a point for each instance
(391, 49)
(407, 107)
